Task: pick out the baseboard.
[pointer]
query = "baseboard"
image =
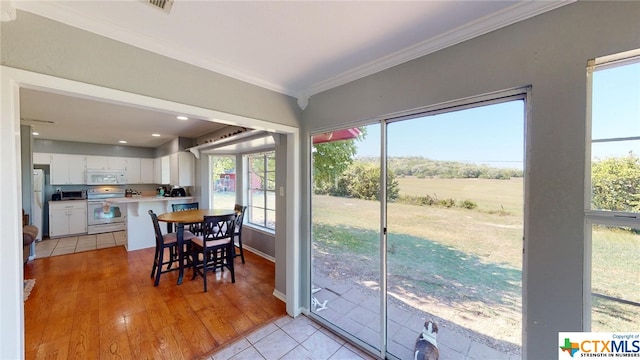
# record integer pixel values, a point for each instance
(280, 296)
(259, 253)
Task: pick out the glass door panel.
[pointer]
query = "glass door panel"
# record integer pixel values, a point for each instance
(454, 231)
(615, 294)
(345, 231)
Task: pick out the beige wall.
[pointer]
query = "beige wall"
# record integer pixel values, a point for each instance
(548, 52)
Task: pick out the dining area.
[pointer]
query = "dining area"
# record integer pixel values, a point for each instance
(202, 240)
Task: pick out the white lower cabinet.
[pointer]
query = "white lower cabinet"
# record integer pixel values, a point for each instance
(67, 218)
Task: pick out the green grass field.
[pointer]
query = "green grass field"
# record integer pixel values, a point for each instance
(463, 265)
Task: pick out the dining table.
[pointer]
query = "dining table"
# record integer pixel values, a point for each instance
(182, 218)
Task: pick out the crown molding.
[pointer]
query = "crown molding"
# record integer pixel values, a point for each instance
(521, 10)
(68, 16)
(517, 12)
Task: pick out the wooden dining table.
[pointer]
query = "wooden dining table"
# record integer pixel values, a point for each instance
(180, 219)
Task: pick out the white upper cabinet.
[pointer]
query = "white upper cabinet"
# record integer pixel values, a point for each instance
(182, 169)
(133, 171)
(68, 169)
(41, 158)
(147, 171)
(140, 171)
(106, 162)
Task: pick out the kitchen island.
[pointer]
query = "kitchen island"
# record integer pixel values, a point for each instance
(140, 233)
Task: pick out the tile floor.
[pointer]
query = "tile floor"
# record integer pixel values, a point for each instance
(294, 339)
(74, 244)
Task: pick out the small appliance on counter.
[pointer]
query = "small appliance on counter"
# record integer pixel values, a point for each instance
(178, 191)
(162, 191)
(56, 196)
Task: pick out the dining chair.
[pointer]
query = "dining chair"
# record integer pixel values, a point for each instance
(195, 228)
(237, 234)
(167, 241)
(214, 249)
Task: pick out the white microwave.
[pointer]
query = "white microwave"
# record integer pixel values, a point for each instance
(106, 177)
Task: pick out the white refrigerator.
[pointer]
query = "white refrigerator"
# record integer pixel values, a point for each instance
(37, 202)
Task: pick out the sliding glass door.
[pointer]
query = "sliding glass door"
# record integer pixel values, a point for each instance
(427, 227)
(345, 222)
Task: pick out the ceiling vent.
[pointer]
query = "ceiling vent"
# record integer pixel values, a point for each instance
(164, 5)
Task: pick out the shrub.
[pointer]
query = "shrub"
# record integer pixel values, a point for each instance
(468, 204)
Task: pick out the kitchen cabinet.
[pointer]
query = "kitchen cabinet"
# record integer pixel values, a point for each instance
(67, 218)
(68, 169)
(182, 168)
(41, 159)
(146, 171)
(106, 162)
(140, 171)
(161, 170)
(133, 171)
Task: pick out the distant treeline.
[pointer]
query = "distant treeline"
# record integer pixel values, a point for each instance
(422, 167)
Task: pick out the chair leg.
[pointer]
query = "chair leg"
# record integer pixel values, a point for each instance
(159, 269)
(204, 269)
(240, 247)
(155, 263)
(230, 257)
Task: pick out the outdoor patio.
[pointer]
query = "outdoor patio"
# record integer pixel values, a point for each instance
(356, 309)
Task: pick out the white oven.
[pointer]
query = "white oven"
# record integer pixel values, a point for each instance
(102, 215)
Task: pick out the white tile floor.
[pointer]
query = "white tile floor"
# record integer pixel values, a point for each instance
(290, 339)
(74, 244)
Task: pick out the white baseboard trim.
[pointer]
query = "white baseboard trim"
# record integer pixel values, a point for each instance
(280, 296)
(259, 253)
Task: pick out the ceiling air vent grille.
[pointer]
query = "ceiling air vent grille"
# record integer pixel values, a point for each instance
(164, 5)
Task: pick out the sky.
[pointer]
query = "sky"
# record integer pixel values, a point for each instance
(491, 135)
(494, 134)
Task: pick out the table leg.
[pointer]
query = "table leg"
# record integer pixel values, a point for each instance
(180, 241)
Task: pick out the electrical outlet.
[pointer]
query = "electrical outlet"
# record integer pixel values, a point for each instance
(58, 189)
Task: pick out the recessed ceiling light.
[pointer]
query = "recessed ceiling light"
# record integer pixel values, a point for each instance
(183, 118)
(35, 133)
(156, 135)
(122, 141)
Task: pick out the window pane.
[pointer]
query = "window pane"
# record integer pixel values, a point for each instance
(223, 181)
(271, 200)
(615, 280)
(257, 198)
(616, 102)
(261, 192)
(271, 219)
(615, 166)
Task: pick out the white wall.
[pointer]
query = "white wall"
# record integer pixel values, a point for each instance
(550, 53)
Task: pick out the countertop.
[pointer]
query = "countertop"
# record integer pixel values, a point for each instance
(137, 199)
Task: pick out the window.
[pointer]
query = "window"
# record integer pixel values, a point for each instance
(223, 181)
(612, 194)
(615, 136)
(261, 189)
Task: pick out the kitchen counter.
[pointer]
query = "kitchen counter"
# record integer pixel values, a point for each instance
(140, 233)
(134, 199)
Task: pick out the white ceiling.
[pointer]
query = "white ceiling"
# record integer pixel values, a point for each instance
(298, 48)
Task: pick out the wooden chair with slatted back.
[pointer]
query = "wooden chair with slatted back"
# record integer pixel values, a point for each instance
(214, 249)
(167, 241)
(195, 228)
(237, 235)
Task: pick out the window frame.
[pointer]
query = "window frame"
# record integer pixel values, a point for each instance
(265, 188)
(600, 216)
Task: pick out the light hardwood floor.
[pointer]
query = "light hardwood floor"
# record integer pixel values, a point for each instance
(102, 304)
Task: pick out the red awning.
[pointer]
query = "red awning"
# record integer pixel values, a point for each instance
(336, 135)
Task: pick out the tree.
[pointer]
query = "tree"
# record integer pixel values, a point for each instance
(330, 159)
(615, 183)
